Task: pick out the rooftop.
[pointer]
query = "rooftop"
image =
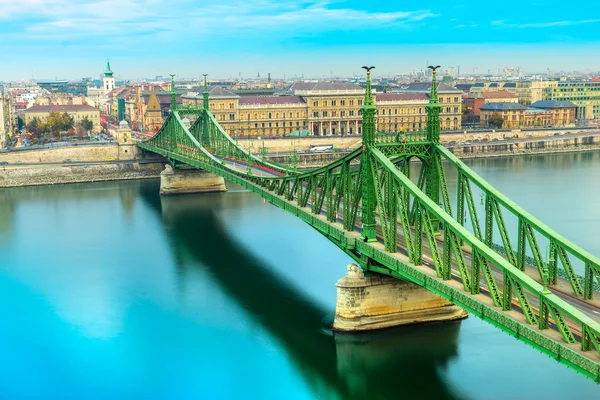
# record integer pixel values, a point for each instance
(425, 87)
(323, 86)
(554, 104)
(66, 107)
(248, 100)
(502, 106)
(499, 94)
(401, 96)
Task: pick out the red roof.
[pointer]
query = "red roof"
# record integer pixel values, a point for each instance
(248, 100)
(66, 107)
(500, 94)
(401, 96)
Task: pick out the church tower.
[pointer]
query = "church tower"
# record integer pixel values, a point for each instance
(153, 115)
(109, 80)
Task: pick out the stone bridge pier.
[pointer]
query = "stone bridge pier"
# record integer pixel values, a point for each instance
(368, 301)
(189, 180)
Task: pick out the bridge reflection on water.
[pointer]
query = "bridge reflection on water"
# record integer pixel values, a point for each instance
(374, 365)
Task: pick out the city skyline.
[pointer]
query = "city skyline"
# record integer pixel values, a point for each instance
(72, 39)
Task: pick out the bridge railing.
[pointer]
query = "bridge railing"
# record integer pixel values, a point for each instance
(400, 137)
(561, 251)
(396, 193)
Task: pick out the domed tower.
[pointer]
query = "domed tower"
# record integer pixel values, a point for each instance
(109, 80)
(127, 149)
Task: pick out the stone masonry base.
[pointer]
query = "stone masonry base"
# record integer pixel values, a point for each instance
(373, 301)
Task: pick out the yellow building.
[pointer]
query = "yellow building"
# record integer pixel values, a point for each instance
(585, 95)
(512, 114)
(325, 109)
(78, 111)
(153, 115)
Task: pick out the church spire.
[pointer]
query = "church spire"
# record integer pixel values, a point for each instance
(107, 72)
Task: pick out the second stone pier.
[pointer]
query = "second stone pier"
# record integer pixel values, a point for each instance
(368, 301)
(183, 181)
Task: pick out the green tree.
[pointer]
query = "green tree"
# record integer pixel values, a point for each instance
(54, 123)
(87, 124)
(33, 127)
(495, 121)
(67, 122)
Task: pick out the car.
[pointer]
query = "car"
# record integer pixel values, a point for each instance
(67, 160)
(110, 159)
(3, 162)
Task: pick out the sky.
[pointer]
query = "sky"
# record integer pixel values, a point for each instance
(71, 39)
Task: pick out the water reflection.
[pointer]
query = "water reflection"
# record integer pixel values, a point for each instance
(378, 365)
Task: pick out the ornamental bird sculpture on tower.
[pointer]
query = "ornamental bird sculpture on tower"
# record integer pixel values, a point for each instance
(368, 68)
(432, 67)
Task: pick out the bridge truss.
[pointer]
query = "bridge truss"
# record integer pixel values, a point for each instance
(368, 205)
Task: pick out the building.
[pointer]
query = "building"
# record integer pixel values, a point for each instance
(562, 112)
(109, 80)
(584, 94)
(512, 115)
(450, 100)
(4, 118)
(127, 149)
(543, 114)
(78, 111)
(153, 116)
(477, 99)
(325, 108)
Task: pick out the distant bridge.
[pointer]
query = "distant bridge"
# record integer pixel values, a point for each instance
(409, 229)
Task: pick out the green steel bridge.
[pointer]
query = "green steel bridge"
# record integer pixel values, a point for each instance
(367, 204)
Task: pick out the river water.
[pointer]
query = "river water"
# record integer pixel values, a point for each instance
(110, 291)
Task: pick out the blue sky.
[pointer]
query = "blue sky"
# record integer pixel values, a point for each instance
(72, 38)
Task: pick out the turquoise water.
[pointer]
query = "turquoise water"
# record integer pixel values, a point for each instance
(110, 291)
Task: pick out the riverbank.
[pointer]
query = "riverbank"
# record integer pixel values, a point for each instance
(53, 175)
(548, 145)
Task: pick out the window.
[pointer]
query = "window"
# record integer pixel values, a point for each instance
(360, 102)
(277, 124)
(342, 102)
(351, 102)
(351, 113)
(324, 113)
(383, 111)
(316, 114)
(324, 103)
(315, 103)
(269, 115)
(333, 103)
(270, 124)
(456, 99)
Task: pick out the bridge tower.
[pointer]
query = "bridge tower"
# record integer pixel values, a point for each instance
(369, 202)
(173, 94)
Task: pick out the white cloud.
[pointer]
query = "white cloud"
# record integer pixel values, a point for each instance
(55, 19)
(503, 24)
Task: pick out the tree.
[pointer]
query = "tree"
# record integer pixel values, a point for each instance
(33, 127)
(495, 120)
(87, 124)
(54, 123)
(67, 122)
